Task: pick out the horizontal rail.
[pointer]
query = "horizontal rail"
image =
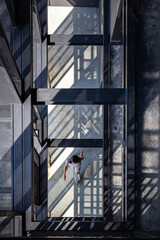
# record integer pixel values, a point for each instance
(95, 143)
(50, 96)
(75, 39)
(11, 213)
(75, 3)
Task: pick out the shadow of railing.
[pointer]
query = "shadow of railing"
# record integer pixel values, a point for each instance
(75, 122)
(72, 69)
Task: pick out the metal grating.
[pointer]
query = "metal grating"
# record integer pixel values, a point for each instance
(6, 145)
(5, 111)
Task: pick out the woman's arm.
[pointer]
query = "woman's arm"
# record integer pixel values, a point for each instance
(65, 169)
(81, 153)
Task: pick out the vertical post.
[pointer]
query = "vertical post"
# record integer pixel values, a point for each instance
(32, 146)
(125, 110)
(130, 112)
(106, 5)
(27, 118)
(124, 152)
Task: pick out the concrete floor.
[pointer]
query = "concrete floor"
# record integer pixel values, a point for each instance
(65, 199)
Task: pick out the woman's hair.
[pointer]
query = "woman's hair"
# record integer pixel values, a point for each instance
(75, 159)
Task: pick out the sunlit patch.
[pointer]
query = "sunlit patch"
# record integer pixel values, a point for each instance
(65, 78)
(65, 207)
(150, 140)
(151, 120)
(57, 18)
(87, 55)
(60, 160)
(150, 159)
(145, 208)
(152, 75)
(117, 154)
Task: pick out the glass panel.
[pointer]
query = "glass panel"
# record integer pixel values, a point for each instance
(37, 53)
(75, 121)
(117, 44)
(116, 161)
(6, 23)
(116, 21)
(73, 20)
(37, 123)
(116, 80)
(65, 198)
(74, 66)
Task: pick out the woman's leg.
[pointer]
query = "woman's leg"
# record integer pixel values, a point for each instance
(77, 174)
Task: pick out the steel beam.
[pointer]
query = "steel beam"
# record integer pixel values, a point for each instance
(74, 3)
(4, 213)
(132, 55)
(50, 96)
(75, 39)
(88, 143)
